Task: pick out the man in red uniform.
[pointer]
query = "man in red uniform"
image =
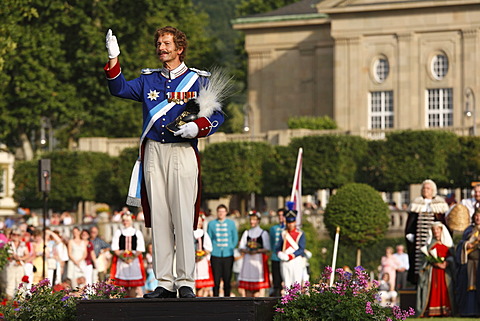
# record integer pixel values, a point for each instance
(292, 251)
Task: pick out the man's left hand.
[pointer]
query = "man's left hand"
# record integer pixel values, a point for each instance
(189, 130)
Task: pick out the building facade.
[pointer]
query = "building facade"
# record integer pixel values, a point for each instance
(372, 66)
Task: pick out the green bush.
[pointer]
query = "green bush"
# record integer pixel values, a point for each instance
(234, 168)
(308, 122)
(329, 161)
(73, 177)
(361, 214)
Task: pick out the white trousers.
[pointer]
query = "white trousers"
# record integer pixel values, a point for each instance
(292, 271)
(171, 178)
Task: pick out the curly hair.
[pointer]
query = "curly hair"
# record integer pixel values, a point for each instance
(179, 38)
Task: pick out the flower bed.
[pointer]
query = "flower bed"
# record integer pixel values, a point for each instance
(42, 302)
(352, 297)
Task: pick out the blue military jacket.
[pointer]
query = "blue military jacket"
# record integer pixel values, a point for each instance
(154, 86)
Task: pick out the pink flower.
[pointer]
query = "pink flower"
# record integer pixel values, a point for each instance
(368, 308)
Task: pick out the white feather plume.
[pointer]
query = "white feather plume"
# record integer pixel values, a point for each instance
(213, 91)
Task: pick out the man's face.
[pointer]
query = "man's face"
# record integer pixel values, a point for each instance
(291, 225)
(427, 191)
(281, 217)
(167, 51)
(476, 193)
(221, 213)
(93, 232)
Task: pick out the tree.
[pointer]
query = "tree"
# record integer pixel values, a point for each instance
(73, 176)
(464, 165)
(233, 119)
(250, 7)
(372, 167)
(361, 214)
(413, 156)
(111, 184)
(234, 168)
(278, 171)
(329, 161)
(54, 51)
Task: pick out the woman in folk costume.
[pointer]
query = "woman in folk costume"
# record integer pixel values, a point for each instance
(254, 245)
(203, 270)
(127, 266)
(291, 250)
(468, 270)
(435, 284)
(422, 212)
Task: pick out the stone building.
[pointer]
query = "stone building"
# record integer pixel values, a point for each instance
(7, 204)
(372, 66)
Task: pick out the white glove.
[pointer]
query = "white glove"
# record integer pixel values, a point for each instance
(189, 130)
(283, 256)
(410, 237)
(112, 45)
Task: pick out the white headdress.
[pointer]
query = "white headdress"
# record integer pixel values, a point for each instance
(445, 238)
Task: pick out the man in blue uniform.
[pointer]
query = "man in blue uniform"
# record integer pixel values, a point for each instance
(165, 180)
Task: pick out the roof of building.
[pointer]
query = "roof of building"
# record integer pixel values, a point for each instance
(297, 8)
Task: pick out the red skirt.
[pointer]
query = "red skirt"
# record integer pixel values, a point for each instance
(128, 283)
(206, 283)
(256, 286)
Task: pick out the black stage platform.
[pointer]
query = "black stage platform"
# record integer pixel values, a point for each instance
(211, 309)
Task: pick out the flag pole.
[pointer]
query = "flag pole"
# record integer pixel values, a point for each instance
(296, 196)
(334, 259)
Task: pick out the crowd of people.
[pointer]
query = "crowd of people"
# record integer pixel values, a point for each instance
(82, 257)
(446, 276)
(64, 261)
(220, 254)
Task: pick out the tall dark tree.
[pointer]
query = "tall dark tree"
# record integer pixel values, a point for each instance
(54, 54)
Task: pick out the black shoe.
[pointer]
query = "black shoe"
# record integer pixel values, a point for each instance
(160, 293)
(186, 292)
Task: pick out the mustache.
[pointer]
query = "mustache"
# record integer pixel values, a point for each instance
(159, 52)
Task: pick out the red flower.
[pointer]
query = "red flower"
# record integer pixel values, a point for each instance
(25, 279)
(4, 302)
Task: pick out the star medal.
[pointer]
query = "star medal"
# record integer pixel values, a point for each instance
(153, 95)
